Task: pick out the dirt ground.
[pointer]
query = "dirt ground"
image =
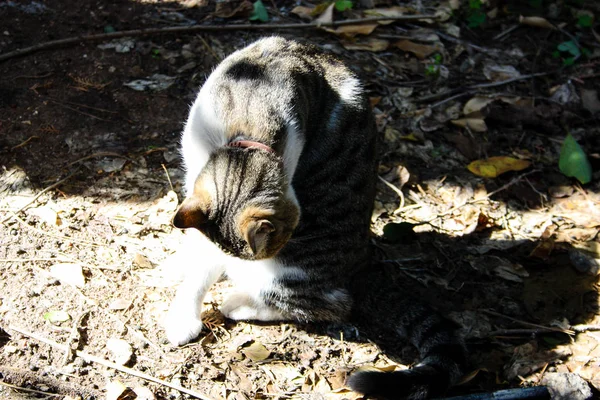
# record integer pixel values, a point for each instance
(90, 176)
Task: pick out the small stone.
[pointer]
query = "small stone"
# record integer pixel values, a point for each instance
(567, 386)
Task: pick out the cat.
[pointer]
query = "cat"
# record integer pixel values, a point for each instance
(280, 156)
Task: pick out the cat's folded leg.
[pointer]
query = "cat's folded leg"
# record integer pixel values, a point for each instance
(241, 306)
(183, 322)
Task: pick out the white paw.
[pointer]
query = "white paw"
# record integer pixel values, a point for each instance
(181, 329)
(241, 307)
(238, 306)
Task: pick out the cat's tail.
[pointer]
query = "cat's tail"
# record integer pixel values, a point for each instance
(378, 303)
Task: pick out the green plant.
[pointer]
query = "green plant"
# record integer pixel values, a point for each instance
(259, 13)
(343, 5)
(433, 69)
(155, 53)
(475, 16)
(585, 21)
(573, 161)
(570, 51)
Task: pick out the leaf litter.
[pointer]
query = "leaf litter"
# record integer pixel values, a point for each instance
(523, 243)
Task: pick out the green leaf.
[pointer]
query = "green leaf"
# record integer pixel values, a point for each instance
(569, 47)
(56, 317)
(260, 12)
(585, 21)
(343, 5)
(476, 19)
(474, 4)
(573, 162)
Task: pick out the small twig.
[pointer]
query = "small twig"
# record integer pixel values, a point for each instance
(585, 328)
(15, 387)
(525, 323)
(73, 336)
(205, 28)
(518, 332)
(67, 238)
(82, 105)
(168, 177)
(29, 139)
(79, 111)
(396, 190)
(91, 358)
(506, 32)
(37, 196)
(100, 154)
(456, 96)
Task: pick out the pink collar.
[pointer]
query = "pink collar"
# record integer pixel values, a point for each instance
(250, 144)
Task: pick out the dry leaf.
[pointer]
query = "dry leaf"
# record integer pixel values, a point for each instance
(537, 22)
(141, 261)
(226, 10)
(476, 104)
(304, 12)
(494, 166)
(353, 30)
(421, 51)
(116, 390)
(119, 304)
(371, 44)
(120, 350)
(143, 393)
(498, 73)
(47, 214)
(475, 124)
(386, 12)
(327, 16)
(256, 352)
(589, 98)
(69, 273)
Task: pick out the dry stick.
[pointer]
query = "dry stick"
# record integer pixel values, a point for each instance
(91, 358)
(15, 387)
(37, 196)
(525, 323)
(204, 28)
(481, 86)
(100, 154)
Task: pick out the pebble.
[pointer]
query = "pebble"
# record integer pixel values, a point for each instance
(567, 386)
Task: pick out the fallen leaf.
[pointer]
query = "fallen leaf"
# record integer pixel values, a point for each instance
(494, 166)
(119, 304)
(304, 12)
(498, 73)
(371, 44)
(224, 9)
(353, 30)
(475, 124)
(589, 99)
(386, 12)
(476, 104)
(143, 393)
(56, 317)
(327, 16)
(537, 22)
(69, 273)
(47, 214)
(141, 261)
(573, 162)
(421, 51)
(120, 350)
(256, 352)
(116, 390)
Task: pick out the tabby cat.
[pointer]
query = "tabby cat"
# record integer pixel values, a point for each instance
(280, 153)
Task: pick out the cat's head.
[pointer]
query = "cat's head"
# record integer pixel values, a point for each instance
(241, 202)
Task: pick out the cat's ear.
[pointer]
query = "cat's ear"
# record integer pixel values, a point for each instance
(256, 234)
(190, 214)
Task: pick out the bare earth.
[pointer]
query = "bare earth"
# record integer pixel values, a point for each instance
(90, 177)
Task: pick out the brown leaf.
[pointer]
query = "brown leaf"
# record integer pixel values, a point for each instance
(386, 12)
(353, 30)
(256, 352)
(327, 16)
(304, 12)
(371, 44)
(475, 124)
(229, 10)
(421, 51)
(537, 22)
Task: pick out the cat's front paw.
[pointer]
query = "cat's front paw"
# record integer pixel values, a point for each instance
(241, 307)
(182, 330)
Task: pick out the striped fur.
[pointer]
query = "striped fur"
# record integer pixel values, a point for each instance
(290, 227)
